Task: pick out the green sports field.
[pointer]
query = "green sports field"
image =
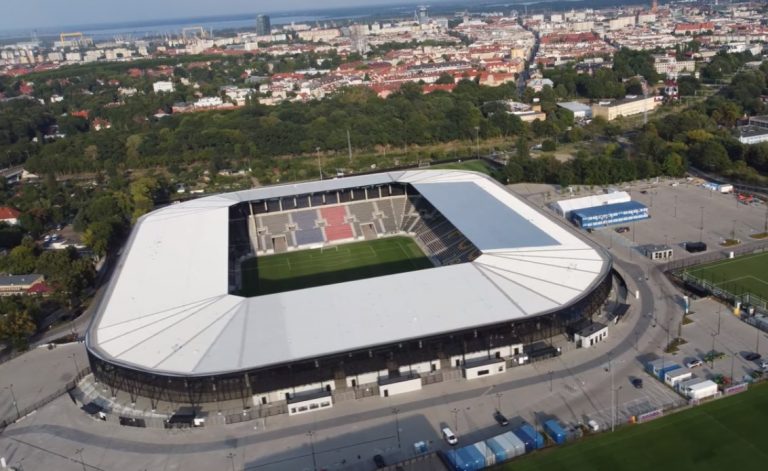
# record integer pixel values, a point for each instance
(334, 264)
(727, 434)
(738, 275)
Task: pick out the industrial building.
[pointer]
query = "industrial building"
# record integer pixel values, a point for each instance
(565, 207)
(579, 110)
(659, 252)
(172, 326)
(752, 134)
(607, 215)
(631, 105)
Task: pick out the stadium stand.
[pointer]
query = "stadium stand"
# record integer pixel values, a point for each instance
(388, 215)
(304, 220)
(309, 237)
(336, 226)
(365, 213)
(274, 223)
(362, 212)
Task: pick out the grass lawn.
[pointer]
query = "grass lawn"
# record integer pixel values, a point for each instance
(727, 434)
(741, 274)
(470, 165)
(334, 264)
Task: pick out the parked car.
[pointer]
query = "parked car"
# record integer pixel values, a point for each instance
(695, 363)
(500, 419)
(449, 436)
(622, 229)
(593, 425)
(764, 364)
(637, 383)
(378, 460)
(752, 356)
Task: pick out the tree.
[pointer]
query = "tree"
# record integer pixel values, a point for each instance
(674, 165)
(445, 78)
(21, 260)
(709, 156)
(16, 327)
(100, 236)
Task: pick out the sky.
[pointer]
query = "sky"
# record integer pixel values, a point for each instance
(31, 14)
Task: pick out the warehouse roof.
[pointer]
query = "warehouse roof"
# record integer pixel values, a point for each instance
(610, 208)
(564, 207)
(168, 308)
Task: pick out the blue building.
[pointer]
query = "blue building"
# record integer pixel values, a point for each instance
(618, 213)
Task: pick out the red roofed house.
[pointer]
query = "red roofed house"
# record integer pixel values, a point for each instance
(9, 215)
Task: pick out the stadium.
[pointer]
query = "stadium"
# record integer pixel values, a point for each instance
(288, 296)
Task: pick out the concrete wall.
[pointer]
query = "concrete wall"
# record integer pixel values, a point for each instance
(474, 372)
(366, 378)
(279, 395)
(400, 387)
(310, 405)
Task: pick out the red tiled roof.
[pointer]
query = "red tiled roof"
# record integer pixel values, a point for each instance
(7, 212)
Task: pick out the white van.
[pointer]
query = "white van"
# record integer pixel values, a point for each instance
(449, 436)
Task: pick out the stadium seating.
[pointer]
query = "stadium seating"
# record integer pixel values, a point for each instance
(305, 220)
(309, 237)
(388, 216)
(336, 226)
(334, 215)
(274, 223)
(362, 212)
(390, 213)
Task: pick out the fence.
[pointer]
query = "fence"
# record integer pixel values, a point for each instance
(678, 270)
(752, 247)
(5, 422)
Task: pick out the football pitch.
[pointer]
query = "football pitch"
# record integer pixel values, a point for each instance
(725, 434)
(333, 264)
(738, 275)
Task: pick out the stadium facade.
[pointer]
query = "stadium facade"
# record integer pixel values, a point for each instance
(172, 326)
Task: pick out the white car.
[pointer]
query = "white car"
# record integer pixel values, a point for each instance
(693, 363)
(449, 436)
(764, 364)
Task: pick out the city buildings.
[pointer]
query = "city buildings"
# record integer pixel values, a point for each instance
(263, 26)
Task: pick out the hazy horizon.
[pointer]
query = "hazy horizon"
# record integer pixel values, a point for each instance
(55, 13)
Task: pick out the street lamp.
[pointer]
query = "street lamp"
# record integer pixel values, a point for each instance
(77, 367)
(477, 133)
(395, 411)
(79, 452)
(319, 166)
(615, 407)
(310, 434)
(231, 457)
(455, 413)
(550, 381)
(498, 400)
(15, 404)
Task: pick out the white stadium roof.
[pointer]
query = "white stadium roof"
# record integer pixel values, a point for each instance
(167, 308)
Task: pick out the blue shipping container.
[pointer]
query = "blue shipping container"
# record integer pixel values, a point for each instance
(538, 440)
(667, 369)
(555, 431)
(511, 440)
(488, 456)
(499, 451)
(529, 442)
(474, 459)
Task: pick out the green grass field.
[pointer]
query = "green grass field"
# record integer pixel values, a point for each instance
(471, 165)
(335, 264)
(727, 434)
(739, 275)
